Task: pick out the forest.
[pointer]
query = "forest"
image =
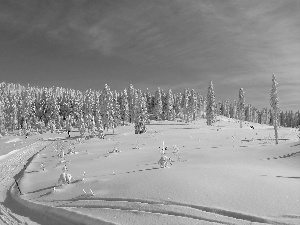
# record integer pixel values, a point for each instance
(33, 109)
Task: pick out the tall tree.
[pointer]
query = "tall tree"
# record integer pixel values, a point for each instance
(158, 104)
(141, 114)
(170, 106)
(107, 110)
(274, 102)
(192, 104)
(131, 98)
(124, 107)
(210, 105)
(241, 106)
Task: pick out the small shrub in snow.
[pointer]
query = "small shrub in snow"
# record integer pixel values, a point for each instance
(163, 161)
(65, 178)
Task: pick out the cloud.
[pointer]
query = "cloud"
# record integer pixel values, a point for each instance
(178, 43)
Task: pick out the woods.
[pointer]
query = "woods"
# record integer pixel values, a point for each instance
(32, 109)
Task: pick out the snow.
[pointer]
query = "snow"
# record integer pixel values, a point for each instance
(226, 174)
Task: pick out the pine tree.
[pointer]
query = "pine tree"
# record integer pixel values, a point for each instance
(158, 104)
(192, 104)
(131, 95)
(141, 114)
(177, 106)
(274, 102)
(81, 126)
(199, 103)
(124, 107)
(210, 106)
(170, 105)
(2, 116)
(116, 110)
(107, 107)
(185, 105)
(241, 106)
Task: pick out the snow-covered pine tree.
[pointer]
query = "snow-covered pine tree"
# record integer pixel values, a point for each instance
(170, 106)
(158, 104)
(204, 107)
(241, 106)
(164, 105)
(235, 116)
(274, 102)
(254, 115)
(219, 108)
(192, 105)
(116, 110)
(81, 126)
(177, 106)
(185, 105)
(107, 107)
(210, 106)
(124, 107)
(141, 114)
(2, 120)
(93, 128)
(131, 95)
(227, 108)
(149, 101)
(199, 104)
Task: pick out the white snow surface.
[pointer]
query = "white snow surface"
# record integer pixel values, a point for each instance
(226, 175)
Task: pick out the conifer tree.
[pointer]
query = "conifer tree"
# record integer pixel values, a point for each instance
(177, 106)
(170, 105)
(241, 106)
(82, 126)
(107, 107)
(158, 104)
(192, 104)
(141, 114)
(131, 96)
(2, 116)
(235, 109)
(116, 110)
(124, 107)
(274, 102)
(199, 103)
(185, 104)
(149, 101)
(210, 106)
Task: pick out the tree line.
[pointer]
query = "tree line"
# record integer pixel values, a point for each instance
(33, 108)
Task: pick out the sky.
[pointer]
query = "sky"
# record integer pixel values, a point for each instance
(171, 44)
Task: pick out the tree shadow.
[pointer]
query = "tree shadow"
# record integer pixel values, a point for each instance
(33, 171)
(288, 177)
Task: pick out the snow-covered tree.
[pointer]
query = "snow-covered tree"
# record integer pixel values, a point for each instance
(192, 105)
(170, 106)
(210, 105)
(116, 110)
(185, 105)
(131, 98)
(158, 104)
(124, 107)
(241, 106)
(140, 112)
(274, 102)
(2, 117)
(81, 126)
(199, 104)
(107, 107)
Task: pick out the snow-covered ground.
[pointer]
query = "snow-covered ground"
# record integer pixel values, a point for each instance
(222, 175)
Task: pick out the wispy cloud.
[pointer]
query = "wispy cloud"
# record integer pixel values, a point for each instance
(234, 43)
